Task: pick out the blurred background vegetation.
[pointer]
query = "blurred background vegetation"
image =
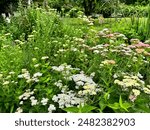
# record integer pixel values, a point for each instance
(132, 15)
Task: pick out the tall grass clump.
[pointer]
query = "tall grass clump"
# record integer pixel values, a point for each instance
(34, 29)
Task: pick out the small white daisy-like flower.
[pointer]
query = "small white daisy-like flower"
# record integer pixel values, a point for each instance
(38, 74)
(1, 75)
(51, 108)
(36, 65)
(6, 83)
(24, 71)
(12, 72)
(21, 103)
(44, 57)
(44, 101)
(19, 110)
(34, 102)
(20, 76)
(96, 51)
(32, 98)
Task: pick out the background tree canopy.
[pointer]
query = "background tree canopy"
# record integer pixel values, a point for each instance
(89, 7)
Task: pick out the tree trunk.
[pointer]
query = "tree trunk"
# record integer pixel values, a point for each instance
(88, 6)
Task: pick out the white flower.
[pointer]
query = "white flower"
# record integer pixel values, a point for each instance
(8, 20)
(1, 75)
(36, 65)
(82, 77)
(139, 75)
(115, 76)
(92, 74)
(29, 80)
(34, 102)
(67, 99)
(55, 98)
(26, 75)
(136, 92)
(51, 108)
(146, 90)
(19, 110)
(20, 76)
(20, 97)
(58, 84)
(74, 49)
(38, 74)
(44, 101)
(8, 77)
(26, 95)
(44, 57)
(12, 72)
(96, 51)
(24, 71)
(35, 79)
(148, 86)
(60, 68)
(21, 103)
(135, 59)
(6, 83)
(79, 83)
(32, 98)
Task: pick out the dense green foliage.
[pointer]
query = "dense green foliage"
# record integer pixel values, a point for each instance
(142, 2)
(50, 63)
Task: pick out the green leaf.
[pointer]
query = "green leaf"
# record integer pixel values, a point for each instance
(102, 104)
(114, 106)
(120, 102)
(106, 96)
(12, 109)
(71, 109)
(125, 105)
(87, 108)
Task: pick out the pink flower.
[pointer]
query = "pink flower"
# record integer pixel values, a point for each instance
(110, 35)
(106, 45)
(140, 44)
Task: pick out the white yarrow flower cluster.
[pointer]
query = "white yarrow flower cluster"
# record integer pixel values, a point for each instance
(65, 69)
(59, 84)
(28, 93)
(34, 102)
(82, 78)
(44, 101)
(44, 57)
(87, 83)
(51, 108)
(19, 110)
(68, 99)
(6, 82)
(26, 75)
(38, 74)
(130, 82)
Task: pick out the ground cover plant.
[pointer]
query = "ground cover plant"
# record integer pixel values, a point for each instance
(50, 63)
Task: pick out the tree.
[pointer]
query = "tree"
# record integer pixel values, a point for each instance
(144, 2)
(104, 7)
(7, 6)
